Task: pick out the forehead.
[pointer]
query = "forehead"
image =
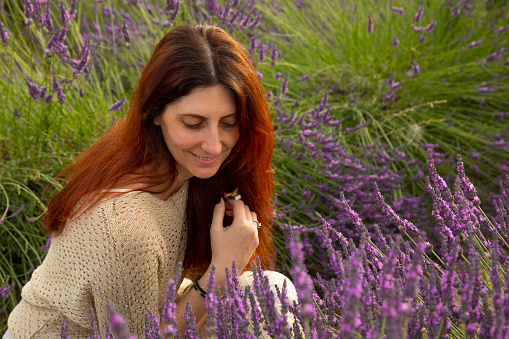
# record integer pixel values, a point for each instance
(211, 100)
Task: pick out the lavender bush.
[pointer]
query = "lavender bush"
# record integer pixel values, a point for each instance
(394, 287)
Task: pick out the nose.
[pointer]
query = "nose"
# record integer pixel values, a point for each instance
(212, 142)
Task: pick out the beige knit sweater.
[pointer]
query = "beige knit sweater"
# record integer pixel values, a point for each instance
(124, 249)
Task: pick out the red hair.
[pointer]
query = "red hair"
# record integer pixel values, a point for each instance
(131, 151)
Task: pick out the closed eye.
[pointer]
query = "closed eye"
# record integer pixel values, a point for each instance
(227, 125)
(192, 126)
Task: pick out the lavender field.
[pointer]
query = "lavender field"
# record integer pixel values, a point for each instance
(392, 125)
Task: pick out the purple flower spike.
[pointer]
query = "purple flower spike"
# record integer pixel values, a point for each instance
(429, 27)
(81, 64)
(416, 69)
(418, 29)
(93, 325)
(126, 34)
(49, 99)
(72, 9)
(4, 35)
(457, 10)
(45, 248)
(64, 14)
(64, 330)
(501, 29)
(302, 78)
(284, 86)
(117, 105)
(275, 54)
(191, 329)
(58, 90)
(399, 10)
(395, 41)
(5, 290)
(269, 94)
(169, 310)
(33, 89)
(117, 323)
(17, 114)
(370, 24)
(418, 14)
(29, 12)
(48, 22)
(81, 92)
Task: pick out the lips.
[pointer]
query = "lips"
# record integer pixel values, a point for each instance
(207, 161)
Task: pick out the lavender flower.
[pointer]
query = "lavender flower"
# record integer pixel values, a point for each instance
(403, 224)
(58, 90)
(302, 78)
(4, 35)
(117, 105)
(48, 22)
(29, 11)
(429, 27)
(152, 330)
(80, 65)
(169, 309)
(190, 320)
(64, 14)
(352, 296)
(45, 248)
(117, 323)
(275, 54)
(17, 114)
(399, 10)
(301, 279)
(418, 14)
(474, 43)
(370, 24)
(418, 29)
(126, 34)
(284, 87)
(93, 325)
(5, 290)
(33, 89)
(395, 41)
(64, 331)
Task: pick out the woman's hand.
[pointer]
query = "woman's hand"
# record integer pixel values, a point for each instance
(235, 242)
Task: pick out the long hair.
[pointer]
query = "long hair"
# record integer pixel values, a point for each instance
(133, 151)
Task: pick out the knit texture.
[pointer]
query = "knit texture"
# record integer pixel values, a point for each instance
(124, 250)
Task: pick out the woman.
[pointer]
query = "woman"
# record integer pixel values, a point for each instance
(150, 193)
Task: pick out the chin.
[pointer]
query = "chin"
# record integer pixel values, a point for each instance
(207, 175)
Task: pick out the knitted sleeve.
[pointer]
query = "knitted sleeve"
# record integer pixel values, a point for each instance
(134, 266)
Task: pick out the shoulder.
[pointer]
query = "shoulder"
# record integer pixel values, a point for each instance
(124, 218)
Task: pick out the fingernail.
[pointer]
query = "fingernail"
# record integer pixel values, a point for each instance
(218, 200)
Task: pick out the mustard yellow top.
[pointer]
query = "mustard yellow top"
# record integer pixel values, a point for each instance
(124, 249)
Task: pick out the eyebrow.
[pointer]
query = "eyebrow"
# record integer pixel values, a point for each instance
(191, 115)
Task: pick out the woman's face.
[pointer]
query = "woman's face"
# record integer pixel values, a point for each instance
(200, 130)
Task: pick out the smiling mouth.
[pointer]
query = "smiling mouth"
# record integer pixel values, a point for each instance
(204, 158)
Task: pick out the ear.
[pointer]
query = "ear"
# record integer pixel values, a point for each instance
(157, 121)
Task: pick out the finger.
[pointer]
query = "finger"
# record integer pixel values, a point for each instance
(254, 217)
(248, 212)
(239, 212)
(218, 215)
